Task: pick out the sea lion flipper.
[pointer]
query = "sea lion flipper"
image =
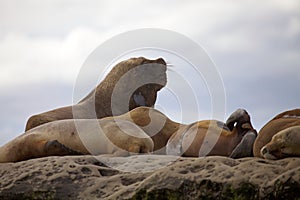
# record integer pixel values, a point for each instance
(55, 148)
(245, 147)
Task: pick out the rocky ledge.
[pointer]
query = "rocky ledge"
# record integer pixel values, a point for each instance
(150, 177)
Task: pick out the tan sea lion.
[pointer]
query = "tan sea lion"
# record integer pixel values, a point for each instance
(169, 137)
(214, 138)
(78, 136)
(131, 83)
(285, 143)
(280, 122)
(155, 124)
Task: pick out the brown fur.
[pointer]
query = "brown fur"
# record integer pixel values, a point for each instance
(200, 135)
(197, 133)
(285, 143)
(278, 123)
(98, 103)
(154, 123)
(63, 137)
(32, 144)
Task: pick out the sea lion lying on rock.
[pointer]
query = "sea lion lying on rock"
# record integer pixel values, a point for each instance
(280, 122)
(142, 130)
(235, 141)
(285, 143)
(155, 124)
(131, 83)
(210, 138)
(78, 136)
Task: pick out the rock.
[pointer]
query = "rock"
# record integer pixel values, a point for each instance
(150, 177)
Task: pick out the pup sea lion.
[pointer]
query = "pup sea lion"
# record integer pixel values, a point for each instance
(285, 143)
(131, 83)
(78, 136)
(280, 122)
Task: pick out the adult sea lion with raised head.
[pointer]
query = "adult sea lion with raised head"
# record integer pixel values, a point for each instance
(131, 83)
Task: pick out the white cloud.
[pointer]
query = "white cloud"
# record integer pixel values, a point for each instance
(293, 29)
(26, 59)
(254, 43)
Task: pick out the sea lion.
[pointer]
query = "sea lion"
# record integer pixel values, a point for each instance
(214, 138)
(161, 128)
(280, 122)
(285, 143)
(131, 83)
(155, 124)
(78, 136)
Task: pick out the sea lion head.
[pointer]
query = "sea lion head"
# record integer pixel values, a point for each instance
(135, 82)
(239, 119)
(285, 143)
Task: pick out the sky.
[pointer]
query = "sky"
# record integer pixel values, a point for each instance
(255, 45)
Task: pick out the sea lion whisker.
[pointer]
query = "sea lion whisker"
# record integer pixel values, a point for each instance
(170, 69)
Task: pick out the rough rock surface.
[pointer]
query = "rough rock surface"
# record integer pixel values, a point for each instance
(150, 177)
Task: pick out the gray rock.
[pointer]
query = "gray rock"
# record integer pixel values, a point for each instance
(150, 177)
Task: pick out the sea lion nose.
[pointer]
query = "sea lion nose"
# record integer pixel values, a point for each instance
(161, 61)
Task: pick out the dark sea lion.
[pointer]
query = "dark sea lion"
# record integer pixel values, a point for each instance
(130, 84)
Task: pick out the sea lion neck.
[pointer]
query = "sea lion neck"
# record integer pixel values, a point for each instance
(128, 85)
(131, 83)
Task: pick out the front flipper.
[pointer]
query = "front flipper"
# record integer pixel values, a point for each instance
(245, 147)
(55, 148)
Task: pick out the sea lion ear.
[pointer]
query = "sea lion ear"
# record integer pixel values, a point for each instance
(139, 99)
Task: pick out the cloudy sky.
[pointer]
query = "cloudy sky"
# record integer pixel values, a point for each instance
(255, 46)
